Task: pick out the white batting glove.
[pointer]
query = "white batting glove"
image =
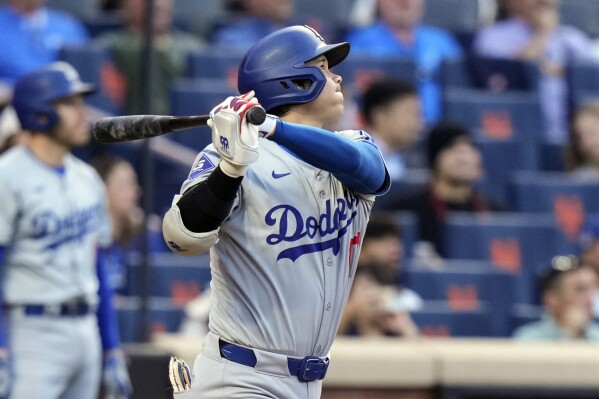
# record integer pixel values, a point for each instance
(234, 138)
(115, 376)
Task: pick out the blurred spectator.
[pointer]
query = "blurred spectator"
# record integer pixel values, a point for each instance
(378, 304)
(10, 128)
(392, 112)
(589, 252)
(582, 150)
(532, 32)
(32, 36)
(567, 290)
(126, 216)
(170, 59)
(251, 20)
(397, 32)
(456, 166)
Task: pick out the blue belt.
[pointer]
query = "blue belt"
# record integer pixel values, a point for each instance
(309, 368)
(63, 309)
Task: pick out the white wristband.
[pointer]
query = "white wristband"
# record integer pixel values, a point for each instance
(267, 128)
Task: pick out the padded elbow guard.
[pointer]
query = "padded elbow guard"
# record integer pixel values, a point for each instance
(180, 239)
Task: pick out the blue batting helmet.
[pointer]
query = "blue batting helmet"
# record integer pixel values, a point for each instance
(275, 65)
(35, 92)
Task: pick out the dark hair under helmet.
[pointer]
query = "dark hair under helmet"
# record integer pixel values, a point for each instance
(35, 92)
(274, 65)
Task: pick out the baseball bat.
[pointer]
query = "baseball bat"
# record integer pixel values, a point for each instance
(135, 127)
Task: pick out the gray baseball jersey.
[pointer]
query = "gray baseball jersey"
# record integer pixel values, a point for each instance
(286, 255)
(51, 223)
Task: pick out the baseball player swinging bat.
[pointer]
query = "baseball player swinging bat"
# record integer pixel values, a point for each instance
(136, 127)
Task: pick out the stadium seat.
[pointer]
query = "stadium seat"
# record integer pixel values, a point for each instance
(583, 83)
(500, 116)
(485, 73)
(501, 158)
(163, 316)
(567, 199)
(583, 14)
(439, 319)
(552, 157)
(522, 313)
(93, 65)
(465, 285)
(197, 97)
(517, 243)
(214, 63)
(171, 276)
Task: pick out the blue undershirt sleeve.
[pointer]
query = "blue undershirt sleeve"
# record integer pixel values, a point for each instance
(2, 330)
(107, 319)
(357, 164)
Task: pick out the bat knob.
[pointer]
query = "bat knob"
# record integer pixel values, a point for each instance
(256, 115)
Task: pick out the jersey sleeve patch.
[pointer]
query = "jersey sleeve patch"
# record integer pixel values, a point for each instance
(202, 165)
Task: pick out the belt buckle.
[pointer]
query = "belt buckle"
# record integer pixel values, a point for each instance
(316, 373)
(72, 308)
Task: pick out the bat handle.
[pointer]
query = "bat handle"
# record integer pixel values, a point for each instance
(256, 115)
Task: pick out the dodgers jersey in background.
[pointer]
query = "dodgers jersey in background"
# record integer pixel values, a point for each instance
(297, 232)
(51, 221)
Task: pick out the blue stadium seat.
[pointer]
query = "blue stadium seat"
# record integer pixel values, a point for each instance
(90, 62)
(583, 14)
(197, 97)
(453, 15)
(552, 157)
(538, 191)
(567, 199)
(163, 316)
(214, 63)
(583, 83)
(501, 116)
(500, 160)
(485, 73)
(437, 318)
(466, 285)
(523, 313)
(171, 276)
(520, 244)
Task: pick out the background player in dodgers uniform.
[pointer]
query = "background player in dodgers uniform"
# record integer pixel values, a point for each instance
(53, 217)
(283, 216)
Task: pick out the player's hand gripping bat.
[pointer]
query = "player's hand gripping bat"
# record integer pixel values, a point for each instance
(135, 127)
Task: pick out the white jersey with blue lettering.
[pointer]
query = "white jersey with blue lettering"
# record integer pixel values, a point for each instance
(287, 253)
(51, 223)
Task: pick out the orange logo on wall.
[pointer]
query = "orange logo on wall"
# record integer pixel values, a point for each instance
(497, 125)
(505, 254)
(463, 297)
(182, 292)
(569, 215)
(435, 331)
